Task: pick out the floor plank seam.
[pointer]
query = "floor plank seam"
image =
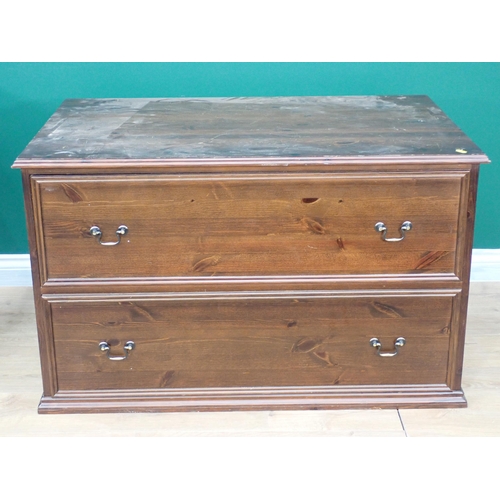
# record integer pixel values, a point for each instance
(402, 423)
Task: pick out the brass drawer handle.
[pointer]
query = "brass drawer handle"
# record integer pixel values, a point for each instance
(400, 342)
(381, 228)
(97, 233)
(104, 347)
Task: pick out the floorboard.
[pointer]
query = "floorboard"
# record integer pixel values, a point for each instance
(481, 376)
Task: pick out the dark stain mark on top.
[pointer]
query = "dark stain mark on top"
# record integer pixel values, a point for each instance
(385, 309)
(313, 225)
(429, 258)
(72, 193)
(291, 323)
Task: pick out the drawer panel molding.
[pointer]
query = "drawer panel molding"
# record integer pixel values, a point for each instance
(278, 226)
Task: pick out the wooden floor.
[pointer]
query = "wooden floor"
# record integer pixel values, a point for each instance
(20, 391)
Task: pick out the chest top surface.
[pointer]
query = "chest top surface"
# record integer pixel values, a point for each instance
(363, 127)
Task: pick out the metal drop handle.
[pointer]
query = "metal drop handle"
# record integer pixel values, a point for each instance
(381, 228)
(399, 342)
(104, 347)
(97, 233)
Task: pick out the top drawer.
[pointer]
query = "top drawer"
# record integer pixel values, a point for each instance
(244, 225)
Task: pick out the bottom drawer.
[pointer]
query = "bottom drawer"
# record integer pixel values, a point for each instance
(251, 341)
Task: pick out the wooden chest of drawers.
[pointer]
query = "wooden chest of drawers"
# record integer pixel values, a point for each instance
(250, 253)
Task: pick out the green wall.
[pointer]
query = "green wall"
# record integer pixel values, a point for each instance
(30, 92)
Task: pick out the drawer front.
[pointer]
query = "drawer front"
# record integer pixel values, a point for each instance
(251, 341)
(281, 225)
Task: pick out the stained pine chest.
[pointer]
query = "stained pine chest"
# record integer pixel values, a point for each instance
(250, 253)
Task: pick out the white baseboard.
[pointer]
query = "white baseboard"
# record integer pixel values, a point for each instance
(485, 264)
(15, 270)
